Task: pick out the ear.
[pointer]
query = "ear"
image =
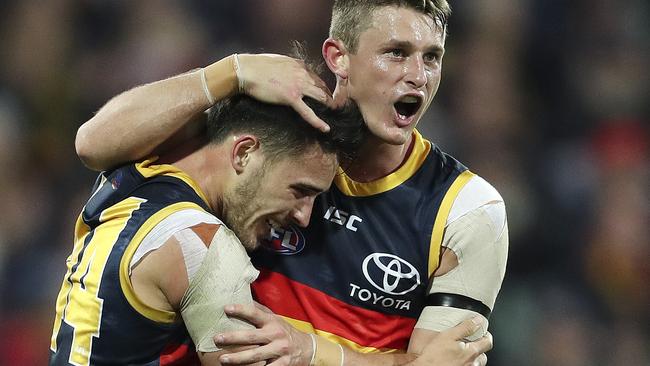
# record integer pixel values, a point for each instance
(242, 149)
(336, 57)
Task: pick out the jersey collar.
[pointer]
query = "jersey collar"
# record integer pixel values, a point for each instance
(148, 170)
(350, 187)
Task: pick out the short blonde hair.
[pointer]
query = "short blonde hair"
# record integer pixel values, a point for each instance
(350, 18)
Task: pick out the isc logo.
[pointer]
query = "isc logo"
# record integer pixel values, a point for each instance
(342, 218)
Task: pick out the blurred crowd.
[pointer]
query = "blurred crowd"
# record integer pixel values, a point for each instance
(549, 100)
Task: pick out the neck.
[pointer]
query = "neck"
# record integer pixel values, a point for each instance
(200, 165)
(377, 159)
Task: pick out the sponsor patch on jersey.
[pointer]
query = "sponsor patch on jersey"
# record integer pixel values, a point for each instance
(390, 273)
(287, 241)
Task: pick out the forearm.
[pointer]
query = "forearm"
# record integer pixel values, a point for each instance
(134, 123)
(328, 353)
(374, 359)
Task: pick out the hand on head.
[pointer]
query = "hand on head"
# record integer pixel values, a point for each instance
(283, 80)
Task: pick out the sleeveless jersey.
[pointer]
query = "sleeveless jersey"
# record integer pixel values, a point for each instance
(358, 275)
(99, 320)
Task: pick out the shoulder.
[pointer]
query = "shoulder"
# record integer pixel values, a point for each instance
(175, 223)
(166, 259)
(478, 194)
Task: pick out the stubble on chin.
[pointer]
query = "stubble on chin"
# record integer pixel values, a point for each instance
(239, 208)
(235, 221)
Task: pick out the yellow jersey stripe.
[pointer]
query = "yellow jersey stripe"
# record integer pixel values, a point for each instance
(157, 315)
(441, 219)
(349, 187)
(148, 170)
(306, 327)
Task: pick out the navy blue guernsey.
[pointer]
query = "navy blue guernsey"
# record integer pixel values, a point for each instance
(359, 273)
(99, 320)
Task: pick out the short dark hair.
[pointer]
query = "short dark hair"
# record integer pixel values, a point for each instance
(350, 18)
(281, 130)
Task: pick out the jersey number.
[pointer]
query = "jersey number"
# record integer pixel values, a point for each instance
(78, 304)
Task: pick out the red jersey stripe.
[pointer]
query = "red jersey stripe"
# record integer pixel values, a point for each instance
(364, 327)
(307, 328)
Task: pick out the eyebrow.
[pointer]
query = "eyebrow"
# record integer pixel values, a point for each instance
(409, 45)
(308, 187)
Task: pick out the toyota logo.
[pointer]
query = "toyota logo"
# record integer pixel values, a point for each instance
(387, 271)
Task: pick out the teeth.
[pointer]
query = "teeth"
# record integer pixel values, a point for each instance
(409, 99)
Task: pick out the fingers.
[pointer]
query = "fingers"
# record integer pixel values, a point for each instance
(308, 115)
(242, 357)
(248, 312)
(464, 329)
(319, 94)
(478, 349)
(241, 338)
(340, 95)
(270, 351)
(483, 344)
(245, 357)
(262, 307)
(481, 360)
(322, 93)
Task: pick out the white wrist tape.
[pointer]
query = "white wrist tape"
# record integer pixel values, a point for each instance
(206, 90)
(238, 72)
(313, 349)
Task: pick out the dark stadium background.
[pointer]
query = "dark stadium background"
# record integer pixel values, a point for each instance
(547, 99)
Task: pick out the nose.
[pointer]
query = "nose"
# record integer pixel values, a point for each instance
(415, 71)
(302, 212)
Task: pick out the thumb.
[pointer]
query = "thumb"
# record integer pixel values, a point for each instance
(340, 95)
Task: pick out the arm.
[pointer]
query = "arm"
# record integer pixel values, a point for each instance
(288, 346)
(473, 265)
(133, 124)
(195, 271)
(471, 271)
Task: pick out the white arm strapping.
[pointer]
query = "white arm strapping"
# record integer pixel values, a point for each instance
(223, 278)
(478, 235)
(172, 224)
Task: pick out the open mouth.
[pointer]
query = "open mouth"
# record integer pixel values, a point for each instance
(408, 106)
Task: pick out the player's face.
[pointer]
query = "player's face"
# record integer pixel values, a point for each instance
(283, 193)
(395, 72)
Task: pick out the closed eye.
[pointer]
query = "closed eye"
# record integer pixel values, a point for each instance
(302, 190)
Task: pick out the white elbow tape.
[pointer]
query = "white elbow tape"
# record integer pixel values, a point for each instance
(223, 278)
(480, 243)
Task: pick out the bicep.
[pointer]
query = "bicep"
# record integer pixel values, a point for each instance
(479, 241)
(223, 277)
